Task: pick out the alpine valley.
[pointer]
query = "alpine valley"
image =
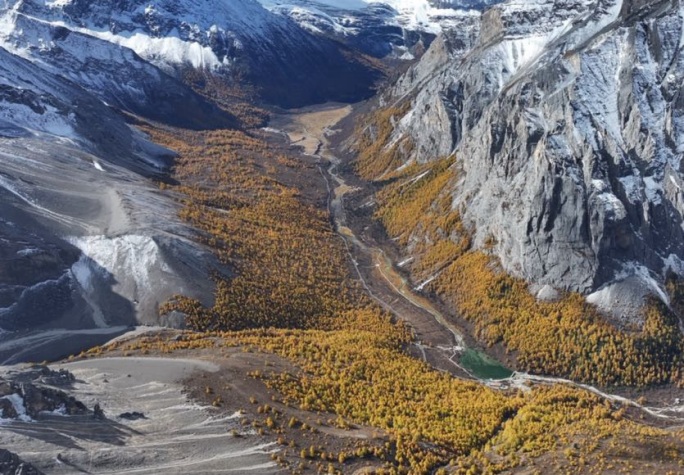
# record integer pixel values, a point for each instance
(341, 236)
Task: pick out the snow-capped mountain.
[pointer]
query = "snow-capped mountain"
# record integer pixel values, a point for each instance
(382, 28)
(115, 74)
(348, 17)
(237, 39)
(567, 119)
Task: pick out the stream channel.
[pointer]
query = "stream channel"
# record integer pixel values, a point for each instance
(475, 362)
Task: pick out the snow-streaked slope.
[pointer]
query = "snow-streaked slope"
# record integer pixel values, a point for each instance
(114, 43)
(71, 167)
(115, 74)
(172, 32)
(423, 15)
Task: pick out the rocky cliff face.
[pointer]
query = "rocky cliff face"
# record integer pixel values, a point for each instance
(567, 121)
(26, 396)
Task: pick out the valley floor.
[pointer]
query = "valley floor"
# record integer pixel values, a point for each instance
(438, 340)
(349, 395)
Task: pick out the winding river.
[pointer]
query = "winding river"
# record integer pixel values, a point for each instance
(476, 363)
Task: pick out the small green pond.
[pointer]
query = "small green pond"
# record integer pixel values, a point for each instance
(483, 366)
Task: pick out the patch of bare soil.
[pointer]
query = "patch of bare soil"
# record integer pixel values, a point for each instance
(306, 126)
(306, 442)
(231, 388)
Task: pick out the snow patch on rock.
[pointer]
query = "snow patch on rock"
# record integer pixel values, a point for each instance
(132, 258)
(19, 407)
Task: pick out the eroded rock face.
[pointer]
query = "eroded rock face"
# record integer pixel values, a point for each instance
(567, 119)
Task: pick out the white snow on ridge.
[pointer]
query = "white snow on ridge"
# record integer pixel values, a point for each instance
(137, 29)
(345, 4)
(419, 14)
(314, 19)
(160, 51)
(341, 4)
(416, 15)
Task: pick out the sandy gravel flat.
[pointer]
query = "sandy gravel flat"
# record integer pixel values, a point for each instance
(306, 126)
(176, 437)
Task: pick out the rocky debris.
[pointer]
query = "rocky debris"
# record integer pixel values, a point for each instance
(26, 396)
(61, 377)
(11, 464)
(44, 375)
(98, 413)
(545, 293)
(132, 416)
(567, 121)
(7, 409)
(34, 286)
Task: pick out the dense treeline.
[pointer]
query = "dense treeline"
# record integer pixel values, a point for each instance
(565, 338)
(235, 97)
(289, 268)
(361, 375)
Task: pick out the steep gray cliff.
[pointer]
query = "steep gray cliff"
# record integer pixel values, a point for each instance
(567, 120)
